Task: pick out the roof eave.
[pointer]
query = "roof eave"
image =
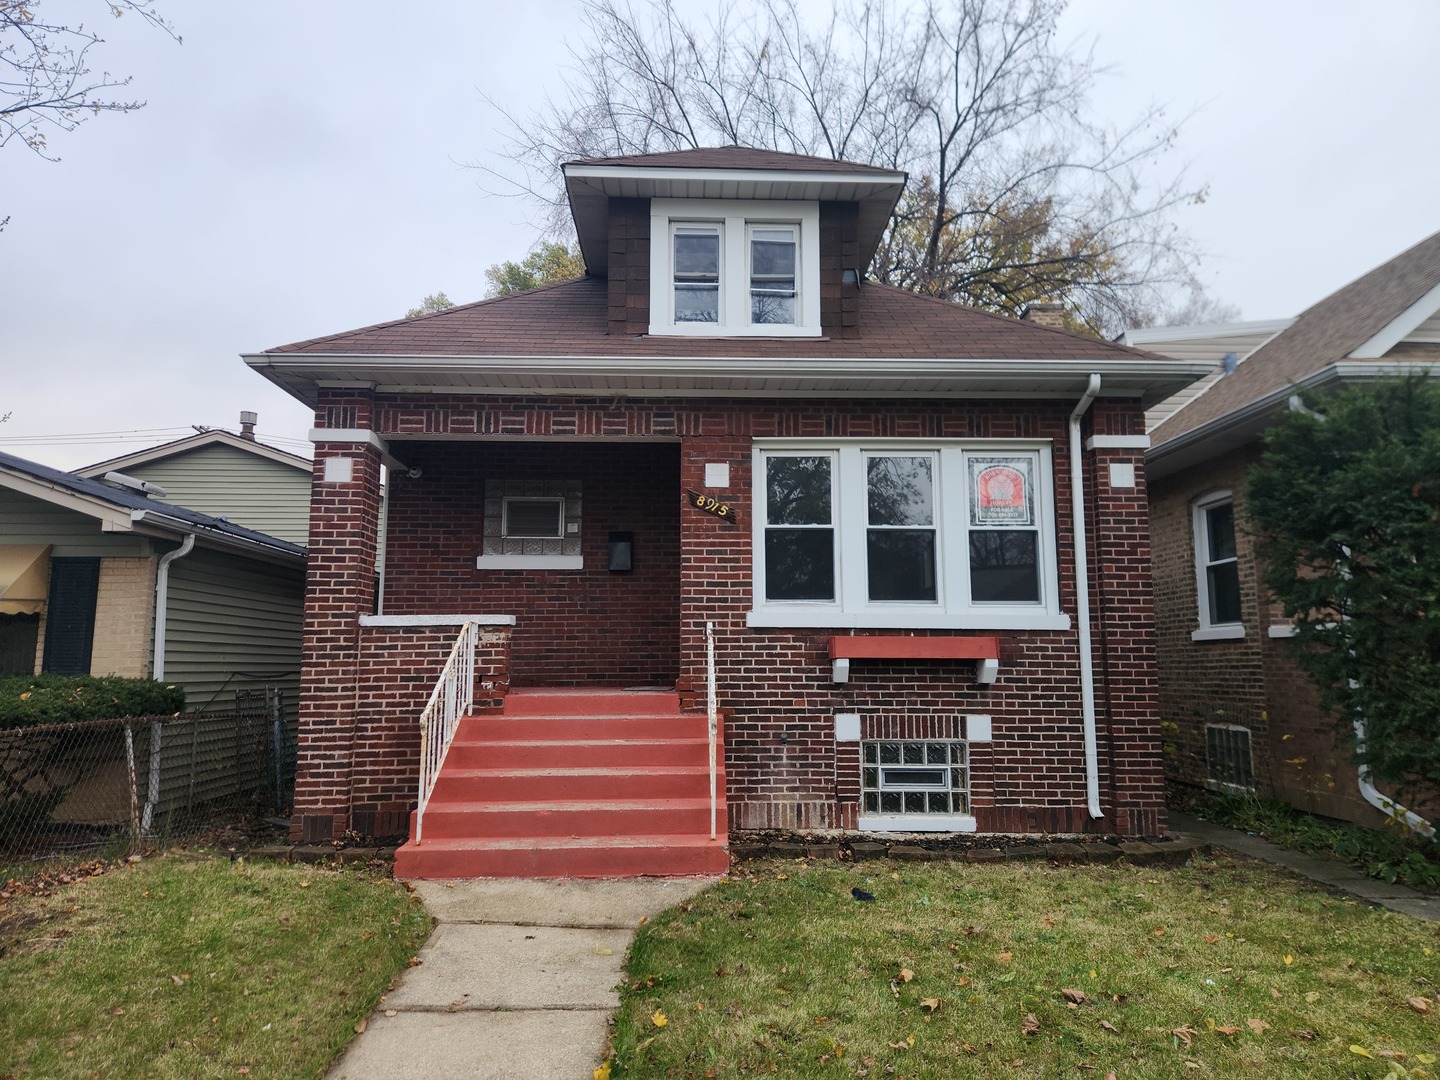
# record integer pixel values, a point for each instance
(304, 375)
(589, 189)
(1245, 424)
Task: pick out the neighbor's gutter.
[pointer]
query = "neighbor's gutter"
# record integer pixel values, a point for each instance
(1082, 601)
(157, 668)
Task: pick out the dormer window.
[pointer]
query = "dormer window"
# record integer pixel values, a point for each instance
(735, 267)
(773, 254)
(697, 273)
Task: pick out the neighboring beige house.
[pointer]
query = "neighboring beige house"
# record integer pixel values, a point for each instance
(231, 476)
(1238, 712)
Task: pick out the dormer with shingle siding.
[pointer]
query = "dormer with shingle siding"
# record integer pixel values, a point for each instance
(730, 242)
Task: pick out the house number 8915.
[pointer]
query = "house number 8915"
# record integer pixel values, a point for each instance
(712, 505)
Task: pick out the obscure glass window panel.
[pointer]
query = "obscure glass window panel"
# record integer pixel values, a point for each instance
(1228, 757)
(799, 564)
(772, 276)
(697, 274)
(915, 777)
(1004, 566)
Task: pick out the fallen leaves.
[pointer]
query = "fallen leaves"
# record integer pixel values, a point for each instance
(602, 1071)
(1259, 1027)
(1073, 997)
(929, 1005)
(1184, 1033)
(659, 1019)
(1030, 1025)
(1419, 1004)
(1108, 1026)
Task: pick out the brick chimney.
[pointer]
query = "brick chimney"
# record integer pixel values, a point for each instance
(247, 425)
(1052, 315)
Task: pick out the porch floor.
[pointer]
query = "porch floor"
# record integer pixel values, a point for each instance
(574, 782)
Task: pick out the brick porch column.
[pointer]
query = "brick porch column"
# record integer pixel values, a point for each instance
(340, 587)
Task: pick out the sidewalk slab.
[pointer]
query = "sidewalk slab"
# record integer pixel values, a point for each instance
(480, 966)
(476, 1046)
(541, 902)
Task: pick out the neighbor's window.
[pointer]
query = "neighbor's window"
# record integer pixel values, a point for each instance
(1227, 756)
(905, 534)
(1217, 568)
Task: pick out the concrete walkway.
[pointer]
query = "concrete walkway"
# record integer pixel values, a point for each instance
(518, 980)
(1329, 872)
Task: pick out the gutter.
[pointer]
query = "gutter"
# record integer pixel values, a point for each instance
(1257, 412)
(157, 667)
(1082, 602)
(214, 537)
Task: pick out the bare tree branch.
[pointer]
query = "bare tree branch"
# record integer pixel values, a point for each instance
(1017, 194)
(46, 84)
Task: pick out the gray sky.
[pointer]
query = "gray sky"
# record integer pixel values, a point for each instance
(296, 173)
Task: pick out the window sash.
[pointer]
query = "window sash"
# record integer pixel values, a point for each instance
(697, 270)
(1217, 562)
(773, 292)
(530, 518)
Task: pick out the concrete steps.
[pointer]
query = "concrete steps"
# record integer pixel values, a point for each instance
(574, 783)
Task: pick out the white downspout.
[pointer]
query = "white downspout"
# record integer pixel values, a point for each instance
(157, 669)
(1368, 791)
(1382, 802)
(1082, 601)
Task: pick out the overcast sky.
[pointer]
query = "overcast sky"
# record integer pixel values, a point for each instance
(297, 172)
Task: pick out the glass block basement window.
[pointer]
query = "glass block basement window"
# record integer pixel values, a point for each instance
(914, 778)
(1227, 756)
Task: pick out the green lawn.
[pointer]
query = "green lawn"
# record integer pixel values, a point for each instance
(175, 967)
(1223, 969)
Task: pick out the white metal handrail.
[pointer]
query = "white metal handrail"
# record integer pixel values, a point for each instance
(452, 698)
(713, 710)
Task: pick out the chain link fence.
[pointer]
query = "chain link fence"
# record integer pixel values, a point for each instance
(120, 785)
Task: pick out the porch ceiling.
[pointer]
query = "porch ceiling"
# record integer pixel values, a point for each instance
(303, 375)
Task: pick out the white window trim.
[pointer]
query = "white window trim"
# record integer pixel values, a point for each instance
(734, 216)
(952, 609)
(1210, 630)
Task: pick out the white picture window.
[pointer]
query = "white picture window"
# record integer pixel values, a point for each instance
(734, 267)
(897, 533)
(1217, 568)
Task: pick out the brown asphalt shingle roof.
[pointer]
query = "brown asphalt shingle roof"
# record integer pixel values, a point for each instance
(734, 157)
(1322, 335)
(570, 319)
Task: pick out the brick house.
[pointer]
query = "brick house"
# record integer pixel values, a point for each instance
(868, 494)
(1238, 713)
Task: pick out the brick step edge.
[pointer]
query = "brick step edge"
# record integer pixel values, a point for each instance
(1171, 852)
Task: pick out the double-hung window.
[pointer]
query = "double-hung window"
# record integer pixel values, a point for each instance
(899, 533)
(723, 267)
(1217, 569)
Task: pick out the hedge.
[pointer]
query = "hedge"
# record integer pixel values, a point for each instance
(26, 700)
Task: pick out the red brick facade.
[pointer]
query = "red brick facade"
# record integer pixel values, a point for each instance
(636, 459)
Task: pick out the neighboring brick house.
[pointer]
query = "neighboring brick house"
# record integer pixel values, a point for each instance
(1239, 714)
(867, 492)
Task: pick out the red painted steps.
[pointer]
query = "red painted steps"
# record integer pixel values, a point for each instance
(574, 783)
